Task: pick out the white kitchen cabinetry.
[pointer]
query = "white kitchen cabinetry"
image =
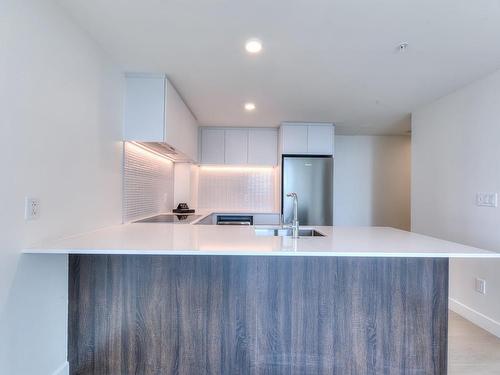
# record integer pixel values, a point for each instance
(320, 139)
(262, 146)
(239, 146)
(294, 139)
(236, 146)
(144, 109)
(307, 139)
(212, 146)
(154, 112)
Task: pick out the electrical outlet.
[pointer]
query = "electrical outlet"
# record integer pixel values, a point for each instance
(480, 285)
(31, 208)
(487, 199)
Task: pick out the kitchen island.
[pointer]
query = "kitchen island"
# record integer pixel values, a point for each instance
(189, 299)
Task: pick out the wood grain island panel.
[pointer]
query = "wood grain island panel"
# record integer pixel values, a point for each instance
(190, 315)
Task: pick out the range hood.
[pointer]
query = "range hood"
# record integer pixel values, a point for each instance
(164, 149)
(156, 117)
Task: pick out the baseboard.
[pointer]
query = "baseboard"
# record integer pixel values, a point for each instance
(62, 370)
(481, 320)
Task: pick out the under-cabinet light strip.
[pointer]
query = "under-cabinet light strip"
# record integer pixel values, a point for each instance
(234, 168)
(145, 148)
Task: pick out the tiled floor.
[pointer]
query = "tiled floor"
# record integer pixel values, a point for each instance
(471, 350)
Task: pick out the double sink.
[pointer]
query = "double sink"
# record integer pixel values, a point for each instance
(287, 232)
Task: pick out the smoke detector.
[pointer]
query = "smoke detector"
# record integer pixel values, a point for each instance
(403, 47)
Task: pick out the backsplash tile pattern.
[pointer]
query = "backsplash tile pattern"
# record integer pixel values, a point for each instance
(148, 183)
(233, 188)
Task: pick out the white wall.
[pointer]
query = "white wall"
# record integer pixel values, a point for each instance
(185, 184)
(372, 181)
(456, 153)
(60, 125)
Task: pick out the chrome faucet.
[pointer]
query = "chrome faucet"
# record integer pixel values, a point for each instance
(295, 221)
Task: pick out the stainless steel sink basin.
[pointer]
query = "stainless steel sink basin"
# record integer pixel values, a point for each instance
(287, 232)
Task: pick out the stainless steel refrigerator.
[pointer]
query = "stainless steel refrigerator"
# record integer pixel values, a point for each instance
(311, 177)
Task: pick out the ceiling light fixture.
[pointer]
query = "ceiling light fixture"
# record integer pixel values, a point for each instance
(253, 46)
(249, 106)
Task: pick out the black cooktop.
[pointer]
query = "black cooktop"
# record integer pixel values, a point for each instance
(170, 218)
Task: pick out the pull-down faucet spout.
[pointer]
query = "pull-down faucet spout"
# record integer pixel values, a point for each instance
(295, 222)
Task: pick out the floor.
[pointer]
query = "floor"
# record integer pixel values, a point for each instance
(472, 351)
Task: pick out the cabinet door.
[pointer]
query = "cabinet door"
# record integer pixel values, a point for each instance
(294, 139)
(212, 146)
(263, 146)
(320, 139)
(181, 126)
(236, 146)
(144, 108)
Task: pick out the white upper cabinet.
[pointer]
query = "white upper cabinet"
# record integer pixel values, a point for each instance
(236, 146)
(144, 108)
(181, 126)
(263, 146)
(294, 139)
(320, 139)
(212, 146)
(256, 146)
(307, 138)
(154, 112)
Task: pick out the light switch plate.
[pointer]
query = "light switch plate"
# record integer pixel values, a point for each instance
(480, 285)
(487, 199)
(31, 208)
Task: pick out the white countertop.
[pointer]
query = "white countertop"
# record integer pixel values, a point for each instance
(190, 239)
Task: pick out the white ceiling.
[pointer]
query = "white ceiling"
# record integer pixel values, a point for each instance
(323, 60)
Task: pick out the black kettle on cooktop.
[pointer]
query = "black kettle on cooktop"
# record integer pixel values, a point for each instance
(183, 208)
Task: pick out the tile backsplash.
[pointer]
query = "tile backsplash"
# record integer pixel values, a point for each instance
(235, 188)
(148, 183)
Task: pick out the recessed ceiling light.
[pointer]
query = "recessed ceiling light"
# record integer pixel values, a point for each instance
(249, 106)
(253, 46)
